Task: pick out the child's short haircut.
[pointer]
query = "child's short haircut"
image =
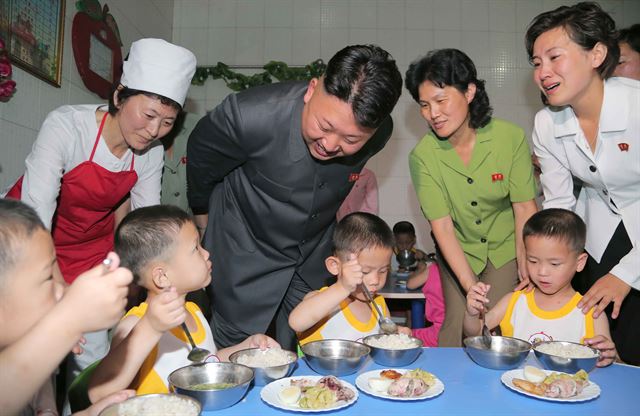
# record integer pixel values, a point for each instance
(361, 230)
(18, 222)
(557, 223)
(148, 233)
(404, 227)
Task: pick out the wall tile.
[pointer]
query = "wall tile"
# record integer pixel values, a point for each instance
(476, 45)
(195, 39)
(502, 15)
(306, 45)
(278, 44)
(630, 13)
(390, 14)
(306, 14)
(194, 13)
(503, 50)
(526, 10)
(362, 14)
(332, 40)
(419, 42)
(359, 36)
(249, 46)
(250, 13)
(447, 14)
(278, 13)
(447, 39)
(222, 13)
(393, 41)
(475, 15)
(221, 45)
(334, 14)
(419, 14)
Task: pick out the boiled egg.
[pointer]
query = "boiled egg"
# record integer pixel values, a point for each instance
(379, 384)
(290, 395)
(534, 374)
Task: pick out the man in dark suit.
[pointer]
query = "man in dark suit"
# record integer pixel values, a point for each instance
(267, 170)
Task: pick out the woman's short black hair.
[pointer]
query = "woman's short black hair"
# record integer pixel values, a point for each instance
(124, 93)
(586, 24)
(451, 67)
(631, 36)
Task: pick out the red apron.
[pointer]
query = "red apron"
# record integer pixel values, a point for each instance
(83, 225)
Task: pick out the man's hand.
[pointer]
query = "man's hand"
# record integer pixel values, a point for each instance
(605, 290)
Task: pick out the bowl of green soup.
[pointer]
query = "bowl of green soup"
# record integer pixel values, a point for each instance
(214, 385)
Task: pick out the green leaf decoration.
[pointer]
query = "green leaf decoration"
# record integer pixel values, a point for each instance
(273, 69)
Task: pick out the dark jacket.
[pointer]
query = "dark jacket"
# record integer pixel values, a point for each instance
(271, 205)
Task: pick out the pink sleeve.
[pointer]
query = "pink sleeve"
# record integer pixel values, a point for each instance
(434, 308)
(370, 202)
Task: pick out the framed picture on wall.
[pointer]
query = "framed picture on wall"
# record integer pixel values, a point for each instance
(33, 31)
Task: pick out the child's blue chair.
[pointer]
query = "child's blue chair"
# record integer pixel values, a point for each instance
(79, 389)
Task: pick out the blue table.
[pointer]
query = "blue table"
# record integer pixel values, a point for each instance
(396, 288)
(472, 390)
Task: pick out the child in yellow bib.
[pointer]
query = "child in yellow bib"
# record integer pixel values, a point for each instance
(161, 246)
(554, 242)
(362, 248)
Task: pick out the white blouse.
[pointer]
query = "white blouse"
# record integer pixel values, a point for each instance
(65, 140)
(611, 176)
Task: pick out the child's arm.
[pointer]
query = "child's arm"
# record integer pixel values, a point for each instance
(254, 341)
(133, 340)
(419, 277)
(602, 341)
(94, 301)
(317, 305)
(476, 301)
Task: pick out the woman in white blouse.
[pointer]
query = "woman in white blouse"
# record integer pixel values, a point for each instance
(591, 130)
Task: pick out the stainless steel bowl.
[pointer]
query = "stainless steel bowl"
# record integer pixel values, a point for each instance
(265, 375)
(337, 357)
(393, 358)
(152, 405)
(505, 352)
(406, 258)
(182, 380)
(567, 365)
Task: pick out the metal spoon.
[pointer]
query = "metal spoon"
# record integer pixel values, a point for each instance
(196, 354)
(486, 334)
(386, 325)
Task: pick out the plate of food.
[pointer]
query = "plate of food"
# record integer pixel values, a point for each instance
(549, 385)
(400, 384)
(309, 393)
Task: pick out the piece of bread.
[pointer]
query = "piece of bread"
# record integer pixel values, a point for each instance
(534, 388)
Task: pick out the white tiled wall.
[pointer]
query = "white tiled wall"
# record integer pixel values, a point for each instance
(21, 117)
(252, 32)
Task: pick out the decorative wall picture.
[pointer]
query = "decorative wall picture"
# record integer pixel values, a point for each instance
(33, 31)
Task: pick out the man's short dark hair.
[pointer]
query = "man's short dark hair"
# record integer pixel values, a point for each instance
(18, 222)
(366, 77)
(560, 224)
(631, 36)
(404, 227)
(361, 230)
(148, 233)
(586, 24)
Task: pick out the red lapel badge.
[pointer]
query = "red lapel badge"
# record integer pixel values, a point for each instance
(624, 147)
(183, 160)
(354, 177)
(497, 177)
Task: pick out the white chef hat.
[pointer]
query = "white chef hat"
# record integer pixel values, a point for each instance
(159, 67)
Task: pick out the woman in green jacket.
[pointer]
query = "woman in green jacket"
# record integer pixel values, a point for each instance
(474, 180)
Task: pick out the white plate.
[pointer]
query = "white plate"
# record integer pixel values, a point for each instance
(269, 394)
(363, 384)
(589, 393)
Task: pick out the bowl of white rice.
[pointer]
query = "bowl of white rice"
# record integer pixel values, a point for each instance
(155, 404)
(568, 357)
(393, 350)
(268, 365)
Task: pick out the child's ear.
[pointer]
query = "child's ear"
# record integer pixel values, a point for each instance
(582, 261)
(159, 277)
(333, 264)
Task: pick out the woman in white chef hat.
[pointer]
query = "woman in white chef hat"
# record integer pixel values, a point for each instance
(89, 161)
